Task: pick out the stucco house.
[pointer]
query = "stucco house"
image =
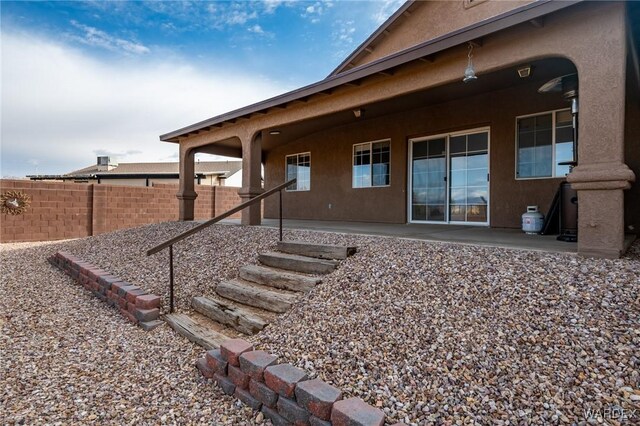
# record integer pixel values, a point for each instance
(108, 171)
(394, 134)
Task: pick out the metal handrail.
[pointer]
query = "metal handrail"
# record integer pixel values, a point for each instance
(169, 243)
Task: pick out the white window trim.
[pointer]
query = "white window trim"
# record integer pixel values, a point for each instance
(553, 113)
(285, 171)
(353, 152)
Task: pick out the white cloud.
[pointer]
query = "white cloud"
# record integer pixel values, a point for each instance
(95, 37)
(60, 107)
(270, 6)
(385, 9)
(257, 29)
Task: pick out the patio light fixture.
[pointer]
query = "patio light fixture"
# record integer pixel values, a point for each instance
(470, 72)
(358, 112)
(524, 71)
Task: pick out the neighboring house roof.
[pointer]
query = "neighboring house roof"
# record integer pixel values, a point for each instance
(223, 168)
(384, 65)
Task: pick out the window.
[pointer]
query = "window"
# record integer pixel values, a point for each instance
(371, 164)
(299, 167)
(543, 142)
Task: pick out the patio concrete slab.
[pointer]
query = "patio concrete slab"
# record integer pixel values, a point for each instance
(473, 235)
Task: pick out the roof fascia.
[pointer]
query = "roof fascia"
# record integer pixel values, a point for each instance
(381, 29)
(480, 29)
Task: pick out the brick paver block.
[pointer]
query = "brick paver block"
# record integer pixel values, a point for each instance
(317, 397)
(122, 291)
(149, 301)
(244, 396)
(355, 412)
(275, 418)
(128, 316)
(232, 349)
(115, 287)
(122, 302)
(262, 393)
(225, 384)
(201, 364)
(107, 280)
(253, 363)
(238, 378)
(314, 421)
(215, 361)
(134, 294)
(131, 308)
(291, 411)
(147, 314)
(283, 378)
(96, 273)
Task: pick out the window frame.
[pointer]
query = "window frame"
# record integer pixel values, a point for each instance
(308, 153)
(353, 153)
(553, 113)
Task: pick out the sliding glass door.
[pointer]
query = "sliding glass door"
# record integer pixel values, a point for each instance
(449, 178)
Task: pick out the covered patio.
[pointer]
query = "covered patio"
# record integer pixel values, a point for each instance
(458, 234)
(414, 100)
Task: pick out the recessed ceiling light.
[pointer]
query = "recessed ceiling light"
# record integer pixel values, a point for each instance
(274, 132)
(525, 71)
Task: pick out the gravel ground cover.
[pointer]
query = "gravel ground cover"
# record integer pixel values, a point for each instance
(431, 333)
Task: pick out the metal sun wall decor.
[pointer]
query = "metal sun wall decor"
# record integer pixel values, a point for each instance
(14, 202)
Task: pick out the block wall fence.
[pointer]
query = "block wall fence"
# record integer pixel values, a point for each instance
(73, 210)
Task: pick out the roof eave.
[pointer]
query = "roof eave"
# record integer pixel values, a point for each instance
(480, 29)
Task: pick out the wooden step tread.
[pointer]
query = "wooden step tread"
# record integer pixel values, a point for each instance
(225, 312)
(294, 262)
(321, 251)
(257, 295)
(278, 278)
(195, 331)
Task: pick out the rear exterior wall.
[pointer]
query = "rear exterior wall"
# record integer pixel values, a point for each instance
(332, 197)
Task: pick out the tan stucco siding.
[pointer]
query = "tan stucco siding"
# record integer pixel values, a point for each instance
(331, 157)
(432, 19)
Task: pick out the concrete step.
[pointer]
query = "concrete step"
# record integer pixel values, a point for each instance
(227, 313)
(277, 278)
(294, 262)
(195, 331)
(321, 251)
(257, 295)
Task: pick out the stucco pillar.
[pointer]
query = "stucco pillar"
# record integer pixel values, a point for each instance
(601, 175)
(186, 194)
(251, 178)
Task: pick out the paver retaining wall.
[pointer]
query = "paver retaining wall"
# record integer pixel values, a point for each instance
(133, 302)
(72, 210)
(282, 392)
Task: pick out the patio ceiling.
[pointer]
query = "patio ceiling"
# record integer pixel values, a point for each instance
(543, 70)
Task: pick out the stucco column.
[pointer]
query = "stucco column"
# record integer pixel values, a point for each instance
(251, 178)
(601, 175)
(186, 194)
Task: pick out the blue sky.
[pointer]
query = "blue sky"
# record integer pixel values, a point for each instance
(81, 79)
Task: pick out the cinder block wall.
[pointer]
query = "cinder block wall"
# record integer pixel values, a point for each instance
(72, 210)
(57, 211)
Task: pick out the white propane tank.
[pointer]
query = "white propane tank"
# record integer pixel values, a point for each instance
(532, 220)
